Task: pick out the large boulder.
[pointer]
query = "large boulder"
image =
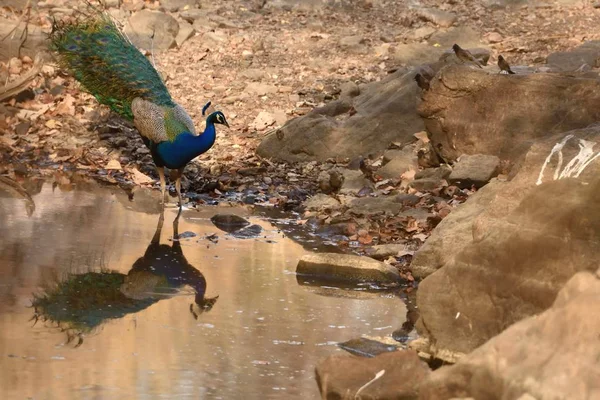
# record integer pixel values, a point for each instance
(395, 375)
(470, 111)
(534, 233)
(384, 112)
(553, 355)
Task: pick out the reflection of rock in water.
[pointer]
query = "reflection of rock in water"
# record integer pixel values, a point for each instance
(83, 302)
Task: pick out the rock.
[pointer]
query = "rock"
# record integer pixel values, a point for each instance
(568, 61)
(364, 347)
(459, 96)
(341, 376)
(262, 121)
(512, 259)
(321, 201)
(481, 54)
(441, 172)
(474, 170)
(17, 43)
(176, 5)
(186, 31)
(247, 232)
(152, 29)
(400, 161)
(453, 233)
(523, 361)
(192, 15)
(229, 222)
(375, 205)
(385, 113)
(330, 181)
(212, 40)
(439, 17)
(494, 37)
(346, 268)
(260, 89)
(355, 44)
(423, 32)
(353, 182)
(415, 54)
(384, 251)
(425, 184)
(349, 89)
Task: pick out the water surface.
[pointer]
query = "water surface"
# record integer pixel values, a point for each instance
(261, 339)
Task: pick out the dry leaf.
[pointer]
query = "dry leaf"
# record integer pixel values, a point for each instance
(67, 106)
(140, 178)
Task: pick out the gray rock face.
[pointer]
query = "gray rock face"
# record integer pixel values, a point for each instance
(341, 376)
(553, 355)
(517, 109)
(385, 112)
(346, 268)
(146, 23)
(535, 232)
(442, 18)
(474, 170)
(567, 61)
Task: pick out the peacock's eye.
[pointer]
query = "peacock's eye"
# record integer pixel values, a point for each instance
(219, 118)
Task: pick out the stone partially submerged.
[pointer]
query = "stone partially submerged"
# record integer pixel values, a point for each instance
(347, 268)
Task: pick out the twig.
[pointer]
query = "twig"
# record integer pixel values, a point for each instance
(377, 376)
(11, 89)
(26, 11)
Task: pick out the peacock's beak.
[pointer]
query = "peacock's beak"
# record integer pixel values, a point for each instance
(226, 124)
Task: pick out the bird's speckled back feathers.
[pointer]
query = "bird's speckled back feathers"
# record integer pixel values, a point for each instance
(107, 64)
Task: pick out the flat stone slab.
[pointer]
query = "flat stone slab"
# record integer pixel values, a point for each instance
(346, 268)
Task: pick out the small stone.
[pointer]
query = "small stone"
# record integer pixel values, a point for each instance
(15, 66)
(494, 37)
(267, 180)
(349, 89)
(247, 54)
(476, 169)
(321, 201)
(384, 251)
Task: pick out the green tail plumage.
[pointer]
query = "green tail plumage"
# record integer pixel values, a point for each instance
(107, 64)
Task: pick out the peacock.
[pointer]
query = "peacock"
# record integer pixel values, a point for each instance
(100, 56)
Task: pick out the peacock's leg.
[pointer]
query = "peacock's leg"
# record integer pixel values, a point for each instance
(178, 186)
(163, 185)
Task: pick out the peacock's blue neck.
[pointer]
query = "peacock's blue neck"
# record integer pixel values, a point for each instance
(186, 147)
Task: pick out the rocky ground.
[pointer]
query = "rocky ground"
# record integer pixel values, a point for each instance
(328, 122)
(264, 63)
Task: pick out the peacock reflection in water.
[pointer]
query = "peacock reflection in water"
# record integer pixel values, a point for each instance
(81, 303)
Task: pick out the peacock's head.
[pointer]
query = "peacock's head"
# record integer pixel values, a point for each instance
(216, 117)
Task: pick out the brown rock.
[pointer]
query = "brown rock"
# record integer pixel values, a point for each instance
(553, 355)
(534, 234)
(346, 268)
(342, 376)
(385, 112)
(474, 170)
(517, 109)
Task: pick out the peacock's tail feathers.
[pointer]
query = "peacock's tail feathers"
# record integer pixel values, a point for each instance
(107, 64)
